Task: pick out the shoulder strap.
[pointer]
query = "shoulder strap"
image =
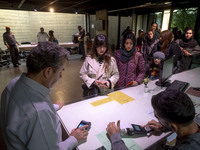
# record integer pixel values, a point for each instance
(136, 58)
(156, 41)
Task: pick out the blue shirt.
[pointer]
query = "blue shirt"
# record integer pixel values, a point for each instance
(29, 120)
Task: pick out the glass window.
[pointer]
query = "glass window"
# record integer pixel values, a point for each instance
(158, 19)
(155, 17)
(165, 22)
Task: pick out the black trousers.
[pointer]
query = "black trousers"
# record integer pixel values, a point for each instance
(81, 49)
(14, 54)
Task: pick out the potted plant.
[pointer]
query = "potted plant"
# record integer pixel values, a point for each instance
(146, 81)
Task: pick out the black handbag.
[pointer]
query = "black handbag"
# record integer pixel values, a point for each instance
(90, 92)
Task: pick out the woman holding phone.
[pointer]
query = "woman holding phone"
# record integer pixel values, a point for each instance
(99, 70)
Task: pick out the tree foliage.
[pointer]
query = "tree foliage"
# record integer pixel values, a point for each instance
(183, 18)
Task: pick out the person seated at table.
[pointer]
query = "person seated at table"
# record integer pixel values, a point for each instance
(188, 45)
(130, 63)
(175, 111)
(52, 37)
(28, 118)
(170, 48)
(99, 70)
(154, 67)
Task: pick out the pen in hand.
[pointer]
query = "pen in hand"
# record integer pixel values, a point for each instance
(129, 83)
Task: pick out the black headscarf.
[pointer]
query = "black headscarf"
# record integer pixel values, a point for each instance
(188, 43)
(124, 54)
(150, 41)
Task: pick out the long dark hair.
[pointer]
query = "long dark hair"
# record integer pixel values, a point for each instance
(101, 40)
(167, 37)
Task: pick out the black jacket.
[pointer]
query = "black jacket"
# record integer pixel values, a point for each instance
(173, 49)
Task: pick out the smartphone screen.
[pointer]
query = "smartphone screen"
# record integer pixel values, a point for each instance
(137, 128)
(80, 125)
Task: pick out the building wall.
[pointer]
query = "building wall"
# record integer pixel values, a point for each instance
(26, 24)
(113, 31)
(125, 22)
(92, 26)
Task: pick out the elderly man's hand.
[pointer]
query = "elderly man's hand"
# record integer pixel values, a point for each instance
(80, 134)
(112, 128)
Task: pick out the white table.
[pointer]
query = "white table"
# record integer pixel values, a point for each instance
(31, 46)
(138, 111)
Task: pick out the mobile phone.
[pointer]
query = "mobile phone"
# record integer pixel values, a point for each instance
(82, 123)
(138, 129)
(102, 84)
(148, 129)
(141, 130)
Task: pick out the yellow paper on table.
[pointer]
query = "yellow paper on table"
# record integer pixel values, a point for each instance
(120, 97)
(101, 101)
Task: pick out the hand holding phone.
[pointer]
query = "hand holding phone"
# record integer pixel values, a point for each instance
(137, 129)
(83, 123)
(101, 84)
(155, 125)
(80, 134)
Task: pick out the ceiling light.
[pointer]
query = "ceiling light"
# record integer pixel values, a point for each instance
(51, 10)
(168, 3)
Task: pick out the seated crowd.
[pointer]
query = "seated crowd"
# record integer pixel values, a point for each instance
(29, 120)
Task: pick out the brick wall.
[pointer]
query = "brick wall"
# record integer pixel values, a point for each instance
(26, 24)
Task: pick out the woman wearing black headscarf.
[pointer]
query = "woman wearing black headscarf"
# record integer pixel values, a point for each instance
(130, 63)
(148, 45)
(189, 47)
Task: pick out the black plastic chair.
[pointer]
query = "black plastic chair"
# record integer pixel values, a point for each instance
(4, 58)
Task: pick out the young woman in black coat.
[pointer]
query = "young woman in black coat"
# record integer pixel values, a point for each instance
(170, 48)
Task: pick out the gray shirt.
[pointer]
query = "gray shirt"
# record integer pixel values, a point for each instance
(42, 37)
(9, 38)
(29, 120)
(117, 143)
(191, 142)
